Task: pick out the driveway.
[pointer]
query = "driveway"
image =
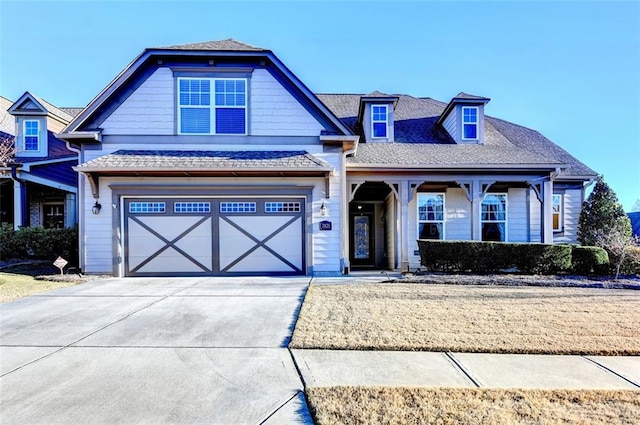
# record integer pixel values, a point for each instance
(153, 350)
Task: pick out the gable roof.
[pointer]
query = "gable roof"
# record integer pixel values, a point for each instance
(41, 105)
(229, 45)
(415, 128)
(146, 63)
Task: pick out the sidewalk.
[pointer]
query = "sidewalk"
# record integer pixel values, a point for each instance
(323, 368)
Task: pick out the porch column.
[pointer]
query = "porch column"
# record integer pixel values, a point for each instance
(404, 225)
(476, 203)
(70, 210)
(19, 204)
(546, 212)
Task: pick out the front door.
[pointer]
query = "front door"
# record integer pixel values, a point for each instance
(362, 247)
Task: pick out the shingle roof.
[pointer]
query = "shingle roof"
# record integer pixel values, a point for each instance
(54, 110)
(220, 45)
(463, 95)
(204, 160)
(415, 126)
(72, 110)
(7, 121)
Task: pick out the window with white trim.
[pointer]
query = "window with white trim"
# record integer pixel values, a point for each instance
(379, 121)
(557, 213)
(430, 215)
(469, 123)
(212, 106)
(31, 135)
(493, 217)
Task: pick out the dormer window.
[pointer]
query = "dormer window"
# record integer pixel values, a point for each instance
(31, 135)
(379, 121)
(469, 123)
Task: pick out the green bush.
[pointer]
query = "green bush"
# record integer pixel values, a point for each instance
(631, 262)
(493, 257)
(587, 260)
(38, 243)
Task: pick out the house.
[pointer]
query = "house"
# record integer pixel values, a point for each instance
(634, 218)
(38, 187)
(215, 159)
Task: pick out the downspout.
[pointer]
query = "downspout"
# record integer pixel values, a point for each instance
(79, 211)
(345, 211)
(23, 195)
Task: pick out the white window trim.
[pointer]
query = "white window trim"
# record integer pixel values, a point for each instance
(24, 137)
(477, 123)
(560, 213)
(386, 122)
(444, 214)
(506, 214)
(212, 106)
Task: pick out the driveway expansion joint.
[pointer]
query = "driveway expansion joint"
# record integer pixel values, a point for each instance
(635, 384)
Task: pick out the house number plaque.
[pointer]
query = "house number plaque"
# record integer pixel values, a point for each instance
(325, 225)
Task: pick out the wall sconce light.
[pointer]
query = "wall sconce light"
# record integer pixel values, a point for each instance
(96, 208)
(323, 209)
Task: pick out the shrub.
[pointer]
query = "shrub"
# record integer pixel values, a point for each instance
(631, 263)
(492, 257)
(38, 243)
(586, 260)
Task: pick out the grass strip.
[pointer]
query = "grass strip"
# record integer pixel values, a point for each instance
(15, 286)
(386, 405)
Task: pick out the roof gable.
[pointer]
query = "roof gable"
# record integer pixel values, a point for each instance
(224, 53)
(30, 104)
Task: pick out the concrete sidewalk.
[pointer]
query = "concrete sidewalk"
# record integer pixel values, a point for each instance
(323, 368)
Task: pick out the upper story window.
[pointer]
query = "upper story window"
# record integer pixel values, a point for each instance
(379, 121)
(469, 123)
(493, 217)
(212, 106)
(31, 135)
(557, 213)
(430, 216)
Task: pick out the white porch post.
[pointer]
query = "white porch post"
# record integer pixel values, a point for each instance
(17, 205)
(476, 202)
(546, 219)
(404, 225)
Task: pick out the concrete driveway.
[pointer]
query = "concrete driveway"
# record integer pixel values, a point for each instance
(162, 350)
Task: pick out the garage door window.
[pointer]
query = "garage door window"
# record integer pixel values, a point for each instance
(192, 207)
(276, 207)
(237, 207)
(147, 207)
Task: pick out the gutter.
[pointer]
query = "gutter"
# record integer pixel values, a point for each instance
(345, 266)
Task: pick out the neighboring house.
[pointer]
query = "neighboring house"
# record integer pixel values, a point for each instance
(39, 187)
(634, 218)
(215, 159)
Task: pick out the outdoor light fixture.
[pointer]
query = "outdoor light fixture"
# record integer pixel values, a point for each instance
(323, 209)
(96, 208)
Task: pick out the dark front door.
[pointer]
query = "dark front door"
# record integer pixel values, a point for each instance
(362, 247)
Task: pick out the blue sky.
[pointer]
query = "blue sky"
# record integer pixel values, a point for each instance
(568, 69)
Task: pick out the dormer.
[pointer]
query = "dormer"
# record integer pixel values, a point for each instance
(463, 118)
(34, 117)
(376, 117)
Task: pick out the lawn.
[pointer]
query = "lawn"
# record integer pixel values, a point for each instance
(14, 286)
(368, 405)
(496, 319)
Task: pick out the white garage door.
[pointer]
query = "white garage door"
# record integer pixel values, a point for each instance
(213, 236)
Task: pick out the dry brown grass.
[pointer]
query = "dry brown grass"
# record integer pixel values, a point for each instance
(492, 319)
(14, 286)
(367, 405)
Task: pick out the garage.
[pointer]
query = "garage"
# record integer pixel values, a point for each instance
(211, 236)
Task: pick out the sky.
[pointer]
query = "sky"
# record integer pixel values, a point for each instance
(569, 69)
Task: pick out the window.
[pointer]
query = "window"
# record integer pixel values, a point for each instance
(192, 207)
(469, 123)
(201, 113)
(53, 216)
(379, 121)
(31, 135)
(147, 207)
(237, 207)
(557, 213)
(493, 217)
(430, 216)
(276, 207)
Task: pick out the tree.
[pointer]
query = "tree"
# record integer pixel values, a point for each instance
(602, 213)
(7, 150)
